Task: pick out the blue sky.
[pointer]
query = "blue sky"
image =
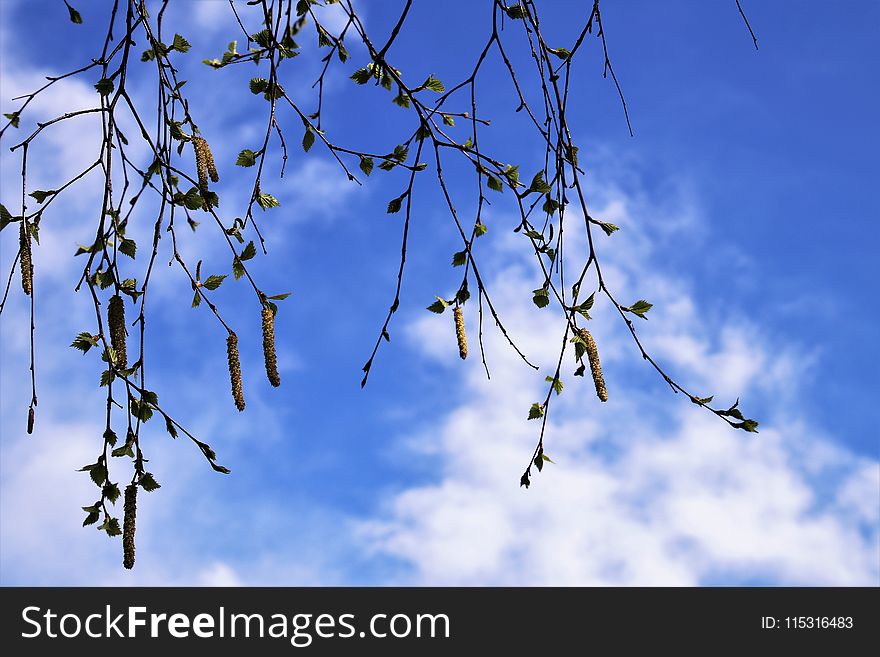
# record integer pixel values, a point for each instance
(747, 213)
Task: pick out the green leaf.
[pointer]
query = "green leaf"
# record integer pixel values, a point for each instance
(267, 201)
(14, 119)
(40, 196)
(366, 165)
(562, 53)
(557, 384)
(111, 492)
(639, 308)
(395, 204)
(91, 518)
(5, 217)
(197, 299)
(74, 14)
(550, 205)
(539, 184)
(448, 120)
(580, 348)
(400, 153)
(362, 75)
(98, 474)
(111, 526)
(263, 38)
(459, 258)
(238, 269)
(148, 483)
(213, 282)
(128, 247)
(170, 428)
(308, 140)
(495, 184)
(258, 85)
(180, 44)
(424, 132)
(249, 251)
(438, 306)
(747, 425)
(110, 437)
(536, 411)
(193, 199)
(247, 158)
(84, 341)
(109, 355)
(480, 229)
(608, 228)
(433, 84)
(124, 450)
(584, 307)
(141, 410)
(541, 297)
(401, 100)
(280, 297)
(104, 86)
(516, 12)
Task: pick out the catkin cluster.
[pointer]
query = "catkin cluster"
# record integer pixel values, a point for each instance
(204, 163)
(595, 365)
(235, 370)
(269, 346)
(128, 525)
(116, 322)
(27, 266)
(459, 332)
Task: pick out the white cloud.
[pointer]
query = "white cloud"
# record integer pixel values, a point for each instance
(647, 489)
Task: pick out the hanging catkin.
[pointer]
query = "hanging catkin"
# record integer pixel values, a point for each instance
(128, 525)
(235, 370)
(212, 170)
(459, 332)
(269, 346)
(27, 266)
(204, 163)
(116, 321)
(595, 365)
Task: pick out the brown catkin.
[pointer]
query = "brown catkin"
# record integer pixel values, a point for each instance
(128, 525)
(595, 365)
(27, 266)
(116, 321)
(200, 147)
(235, 370)
(269, 346)
(212, 170)
(459, 332)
